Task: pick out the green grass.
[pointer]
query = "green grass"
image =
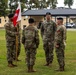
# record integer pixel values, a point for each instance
(70, 59)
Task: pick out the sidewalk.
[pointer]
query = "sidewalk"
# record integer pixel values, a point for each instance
(71, 29)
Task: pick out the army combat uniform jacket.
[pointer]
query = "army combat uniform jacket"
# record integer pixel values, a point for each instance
(10, 41)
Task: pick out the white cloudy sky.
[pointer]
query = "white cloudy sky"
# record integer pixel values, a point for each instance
(61, 3)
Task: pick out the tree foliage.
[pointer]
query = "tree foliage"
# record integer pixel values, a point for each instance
(52, 3)
(68, 2)
(14, 3)
(29, 4)
(41, 4)
(3, 7)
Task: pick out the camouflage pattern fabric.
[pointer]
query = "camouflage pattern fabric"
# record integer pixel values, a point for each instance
(48, 34)
(30, 56)
(30, 39)
(10, 40)
(60, 39)
(11, 54)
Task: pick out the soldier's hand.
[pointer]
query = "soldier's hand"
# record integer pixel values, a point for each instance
(16, 33)
(56, 46)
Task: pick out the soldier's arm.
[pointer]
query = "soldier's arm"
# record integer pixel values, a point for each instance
(64, 35)
(54, 27)
(8, 30)
(37, 38)
(23, 37)
(59, 37)
(42, 30)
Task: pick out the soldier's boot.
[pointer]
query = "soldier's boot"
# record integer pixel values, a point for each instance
(50, 63)
(47, 64)
(28, 69)
(31, 69)
(14, 65)
(60, 68)
(10, 64)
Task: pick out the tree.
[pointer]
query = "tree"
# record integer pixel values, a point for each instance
(52, 3)
(14, 3)
(33, 4)
(68, 2)
(37, 4)
(3, 7)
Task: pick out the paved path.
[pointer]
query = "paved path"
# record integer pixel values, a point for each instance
(70, 29)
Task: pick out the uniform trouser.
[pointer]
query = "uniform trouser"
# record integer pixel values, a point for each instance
(60, 55)
(11, 54)
(48, 48)
(30, 56)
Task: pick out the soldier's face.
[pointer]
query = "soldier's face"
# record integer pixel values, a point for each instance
(48, 17)
(11, 19)
(59, 22)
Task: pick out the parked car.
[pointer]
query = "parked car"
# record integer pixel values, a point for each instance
(74, 26)
(69, 25)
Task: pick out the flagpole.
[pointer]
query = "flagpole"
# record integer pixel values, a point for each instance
(16, 45)
(16, 20)
(17, 39)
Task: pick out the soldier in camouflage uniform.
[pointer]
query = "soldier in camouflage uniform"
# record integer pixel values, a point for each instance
(30, 40)
(48, 28)
(60, 38)
(10, 40)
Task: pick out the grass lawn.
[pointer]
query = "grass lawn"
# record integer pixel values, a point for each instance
(70, 59)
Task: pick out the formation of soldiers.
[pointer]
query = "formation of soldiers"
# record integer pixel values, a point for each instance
(53, 36)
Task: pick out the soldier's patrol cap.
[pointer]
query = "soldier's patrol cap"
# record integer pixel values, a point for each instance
(10, 15)
(48, 13)
(59, 18)
(31, 20)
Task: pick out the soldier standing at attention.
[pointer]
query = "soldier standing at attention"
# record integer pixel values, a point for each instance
(60, 39)
(48, 29)
(10, 41)
(30, 40)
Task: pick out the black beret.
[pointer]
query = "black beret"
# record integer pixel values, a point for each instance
(59, 18)
(10, 15)
(31, 20)
(48, 13)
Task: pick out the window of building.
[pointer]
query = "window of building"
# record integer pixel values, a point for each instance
(0, 20)
(5, 20)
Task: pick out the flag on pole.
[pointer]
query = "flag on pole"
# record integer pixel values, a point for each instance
(17, 15)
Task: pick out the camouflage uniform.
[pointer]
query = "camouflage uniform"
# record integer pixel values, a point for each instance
(30, 39)
(10, 40)
(48, 33)
(60, 38)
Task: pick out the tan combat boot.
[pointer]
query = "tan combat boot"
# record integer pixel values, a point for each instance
(60, 69)
(10, 64)
(31, 69)
(28, 69)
